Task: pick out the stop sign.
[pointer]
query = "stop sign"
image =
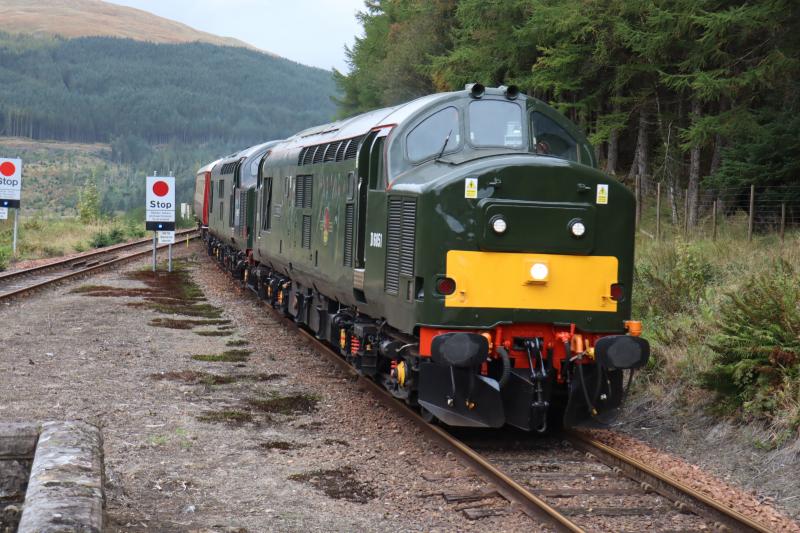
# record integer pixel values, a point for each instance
(10, 182)
(160, 203)
(8, 169)
(160, 188)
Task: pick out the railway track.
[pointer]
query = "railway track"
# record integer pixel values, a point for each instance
(566, 482)
(20, 282)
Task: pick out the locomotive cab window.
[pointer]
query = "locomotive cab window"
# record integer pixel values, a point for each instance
(439, 133)
(495, 123)
(551, 139)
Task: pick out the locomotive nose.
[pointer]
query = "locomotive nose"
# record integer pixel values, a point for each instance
(545, 237)
(547, 227)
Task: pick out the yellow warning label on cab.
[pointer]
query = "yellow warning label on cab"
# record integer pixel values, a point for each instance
(471, 188)
(602, 194)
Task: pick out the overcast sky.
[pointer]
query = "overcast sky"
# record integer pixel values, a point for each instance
(312, 32)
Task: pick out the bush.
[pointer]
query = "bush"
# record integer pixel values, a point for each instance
(5, 256)
(671, 279)
(34, 224)
(756, 365)
(101, 239)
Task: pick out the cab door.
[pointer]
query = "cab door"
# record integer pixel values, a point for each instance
(371, 220)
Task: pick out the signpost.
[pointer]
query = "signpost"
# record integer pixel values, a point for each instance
(160, 213)
(11, 191)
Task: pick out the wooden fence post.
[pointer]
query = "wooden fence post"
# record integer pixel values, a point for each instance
(638, 194)
(686, 213)
(752, 210)
(714, 218)
(783, 221)
(658, 211)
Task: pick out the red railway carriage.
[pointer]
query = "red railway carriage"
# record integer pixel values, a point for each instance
(202, 185)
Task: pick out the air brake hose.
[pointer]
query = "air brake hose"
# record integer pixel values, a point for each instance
(506, 366)
(589, 404)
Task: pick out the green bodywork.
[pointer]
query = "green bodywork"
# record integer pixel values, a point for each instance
(537, 194)
(232, 199)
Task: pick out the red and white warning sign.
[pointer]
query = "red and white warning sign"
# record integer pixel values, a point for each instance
(160, 203)
(10, 182)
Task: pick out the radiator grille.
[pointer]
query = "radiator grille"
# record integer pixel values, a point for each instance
(308, 155)
(349, 223)
(352, 148)
(319, 153)
(306, 243)
(241, 223)
(341, 150)
(330, 152)
(303, 192)
(400, 241)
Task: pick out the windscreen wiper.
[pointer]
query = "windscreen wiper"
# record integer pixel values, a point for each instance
(444, 146)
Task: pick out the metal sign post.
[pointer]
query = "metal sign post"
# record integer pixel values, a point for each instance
(11, 190)
(168, 238)
(160, 212)
(14, 242)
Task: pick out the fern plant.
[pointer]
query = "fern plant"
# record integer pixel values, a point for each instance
(756, 367)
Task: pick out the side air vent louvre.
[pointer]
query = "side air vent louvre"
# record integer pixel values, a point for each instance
(309, 155)
(306, 232)
(308, 183)
(349, 225)
(299, 192)
(400, 241)
(319, 153)
(324, 153)
(330, 152)
(352, 148)
(303, 191)
(341, 150)
(241, 229)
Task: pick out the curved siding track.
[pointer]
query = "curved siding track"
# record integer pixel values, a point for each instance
(20, 282)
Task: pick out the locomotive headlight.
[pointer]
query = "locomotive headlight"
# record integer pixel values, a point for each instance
(577, 228)
(539, 272)
(499, 225)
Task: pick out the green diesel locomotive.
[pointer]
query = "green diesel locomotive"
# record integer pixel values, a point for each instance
(462, 249)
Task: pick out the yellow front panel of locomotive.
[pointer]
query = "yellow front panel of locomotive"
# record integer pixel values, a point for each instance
(532, 281)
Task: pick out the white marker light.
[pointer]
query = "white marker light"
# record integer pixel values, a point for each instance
(499, 225)
(539, 272)
(578, 229)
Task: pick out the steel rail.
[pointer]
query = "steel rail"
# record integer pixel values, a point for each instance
(5, 276)
(81, 272)
(531, 504)
(684, 496)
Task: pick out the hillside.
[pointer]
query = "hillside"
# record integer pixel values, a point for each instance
(96, 89)
(90, 18)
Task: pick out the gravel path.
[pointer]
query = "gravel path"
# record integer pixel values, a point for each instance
(278, 442)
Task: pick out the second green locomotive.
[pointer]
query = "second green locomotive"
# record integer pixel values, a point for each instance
(462, 249)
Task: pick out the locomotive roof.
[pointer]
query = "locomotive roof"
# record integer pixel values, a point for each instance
(361, 124)
(247, 152)
(209, 167)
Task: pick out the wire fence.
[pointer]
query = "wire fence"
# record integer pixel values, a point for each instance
(666, 211)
